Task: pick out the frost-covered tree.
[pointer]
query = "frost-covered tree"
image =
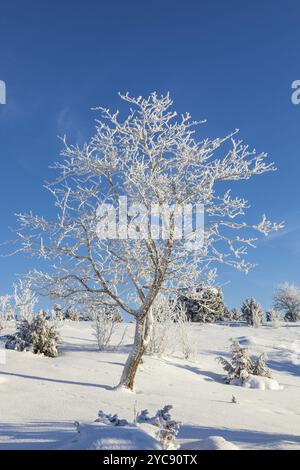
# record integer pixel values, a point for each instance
(58, 312)
(25, 298)
(252, 312)
(71, 314)
(6, 308)
(273, 316)
(287, 301)
(205, 304)
(235, 314)
(157, 161)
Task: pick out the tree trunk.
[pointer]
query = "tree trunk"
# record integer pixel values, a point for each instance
(143, 330)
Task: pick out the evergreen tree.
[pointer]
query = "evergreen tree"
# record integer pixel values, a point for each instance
(44, 336)
(252, 312)
(240, 366)
(235, 314)
(260, 367)
(205, 305)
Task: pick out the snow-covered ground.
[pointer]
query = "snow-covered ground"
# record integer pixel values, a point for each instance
(40, 398)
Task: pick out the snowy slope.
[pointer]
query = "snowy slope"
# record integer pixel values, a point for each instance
(40, 398)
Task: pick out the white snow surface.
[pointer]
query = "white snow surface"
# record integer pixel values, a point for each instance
(261, 383)
(40, 397)
(213, 443)
(97, 436)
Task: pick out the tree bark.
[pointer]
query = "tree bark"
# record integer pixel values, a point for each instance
(143, 330)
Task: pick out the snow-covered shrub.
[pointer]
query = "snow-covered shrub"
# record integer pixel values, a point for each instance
(164, 326)
(287, 301)
(242, 365)
(105, 324)
(44, 336)
(252, 312)
(22, 340)
(36, 334)
(205, 304)
(167, 427)
(183, 335)
(170, 328)
(110, 419)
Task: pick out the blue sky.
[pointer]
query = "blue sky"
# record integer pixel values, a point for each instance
(230, 62)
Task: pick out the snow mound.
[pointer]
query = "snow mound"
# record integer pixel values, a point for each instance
(213, 443)
(98, 436)
(261, 383)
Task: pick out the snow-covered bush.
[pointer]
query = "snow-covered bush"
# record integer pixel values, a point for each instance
(164, 326)
(167, 427)
(105, 324)
(36, 334)
(167, 431)
(205, 304)
(170, 328)
(252, 312)
(287, 301)
(110, 419)
(241, 365)
(44, 336)
(183, 335)
(22, 340)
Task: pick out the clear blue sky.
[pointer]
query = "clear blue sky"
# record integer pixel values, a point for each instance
(231, 62)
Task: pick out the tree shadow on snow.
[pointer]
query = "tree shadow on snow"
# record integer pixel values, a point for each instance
(36, 435)
(284, 366)
(61, 381)
(209, 375)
